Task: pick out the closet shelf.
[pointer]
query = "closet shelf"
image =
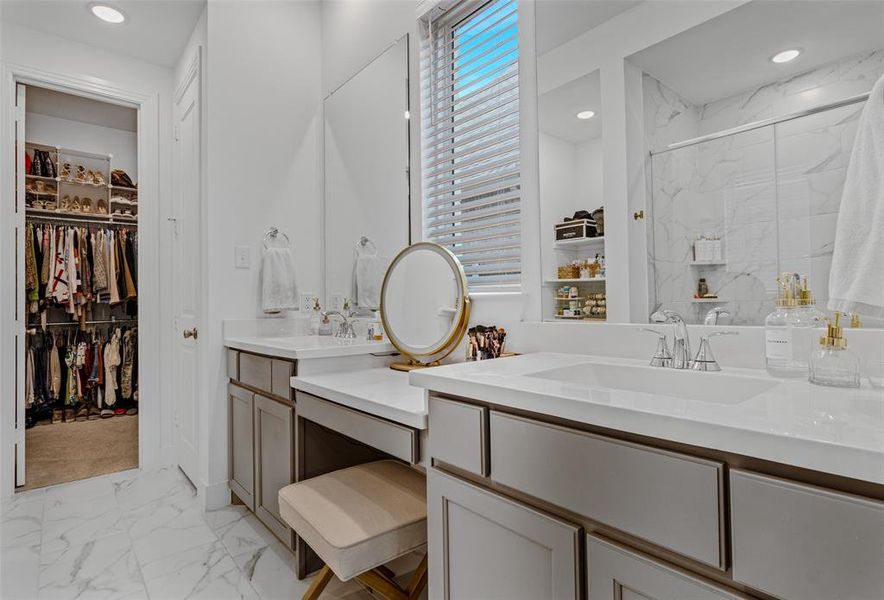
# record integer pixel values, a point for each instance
(573, 244)
(81, 217)
(84, 183)
(41, 178)
(123, 188)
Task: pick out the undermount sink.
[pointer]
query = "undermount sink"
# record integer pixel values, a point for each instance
(718, 388)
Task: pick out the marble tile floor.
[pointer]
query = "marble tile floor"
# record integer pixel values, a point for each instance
(142, 535)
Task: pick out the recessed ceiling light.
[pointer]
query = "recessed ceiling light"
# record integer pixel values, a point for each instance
(585, 114)
(785, 56)
(107, 13)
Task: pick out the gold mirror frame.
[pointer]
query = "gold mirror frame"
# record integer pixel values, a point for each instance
(420, 358)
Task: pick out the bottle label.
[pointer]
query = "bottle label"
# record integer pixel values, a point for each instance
(778, 343)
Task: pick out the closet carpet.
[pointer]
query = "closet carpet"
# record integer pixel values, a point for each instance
(71, 451)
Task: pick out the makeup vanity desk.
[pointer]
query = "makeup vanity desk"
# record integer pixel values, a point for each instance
(301, 406)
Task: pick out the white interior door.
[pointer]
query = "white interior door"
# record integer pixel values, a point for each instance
(187, 289)
(20, 304)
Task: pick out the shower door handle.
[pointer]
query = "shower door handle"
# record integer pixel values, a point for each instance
(190, 333)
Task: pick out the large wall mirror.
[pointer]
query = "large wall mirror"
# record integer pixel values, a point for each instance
(366, 178)
(749, 148)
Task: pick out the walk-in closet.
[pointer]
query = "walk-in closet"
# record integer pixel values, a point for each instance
(78, 287)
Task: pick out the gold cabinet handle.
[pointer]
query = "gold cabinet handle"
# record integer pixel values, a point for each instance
(638, 215)
(190, 333)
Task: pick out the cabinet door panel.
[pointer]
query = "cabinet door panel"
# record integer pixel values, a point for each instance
(242, 458)
(616, 573)
(482, 545)
(274, 462)
(460, 434)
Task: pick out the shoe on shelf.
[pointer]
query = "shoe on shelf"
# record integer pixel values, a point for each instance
(86, 205)
(106, 413)
(120, 178)
(65, 204)
(65, 172)
(69, 414)
(98, 178)
(75, 205)
(81, 174)
(101, 206)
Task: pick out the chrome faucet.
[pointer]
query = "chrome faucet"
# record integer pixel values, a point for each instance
(715, 314)
(681, 343)
(345, 330)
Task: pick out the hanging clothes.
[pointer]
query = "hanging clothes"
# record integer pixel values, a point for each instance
(111, 362)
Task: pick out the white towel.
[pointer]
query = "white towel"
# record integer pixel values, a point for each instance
(856, 283)
(278, 288)
(369, 276)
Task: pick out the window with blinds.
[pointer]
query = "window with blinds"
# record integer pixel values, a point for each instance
(470, 84)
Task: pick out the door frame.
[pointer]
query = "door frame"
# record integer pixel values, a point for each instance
(12, 332)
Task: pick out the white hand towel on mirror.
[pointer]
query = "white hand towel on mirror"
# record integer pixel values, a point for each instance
(856, 282)
(369, 276)
(278, 288)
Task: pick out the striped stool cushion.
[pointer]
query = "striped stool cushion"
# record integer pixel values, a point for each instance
(359, 518)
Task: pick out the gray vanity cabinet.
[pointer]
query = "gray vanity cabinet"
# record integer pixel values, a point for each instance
(274, 462)
(241, 404)
(615, 573)
(483, 545)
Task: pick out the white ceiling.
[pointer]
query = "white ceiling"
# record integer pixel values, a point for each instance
(557, 110)
(77, 108)
(731, 53)
(155, 31)
(559, 21)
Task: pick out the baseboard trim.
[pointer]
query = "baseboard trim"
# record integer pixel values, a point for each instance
(216, 495)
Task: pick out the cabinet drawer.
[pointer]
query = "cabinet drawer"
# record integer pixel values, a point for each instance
(458, 434)
(669, 499)
(798, 541)
(281, 372)
(255, 371)
(617, 573)
(394, 439)
(233, 364)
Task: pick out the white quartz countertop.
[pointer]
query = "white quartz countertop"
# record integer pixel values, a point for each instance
(832, 430)
(306, 346)
(381, 391)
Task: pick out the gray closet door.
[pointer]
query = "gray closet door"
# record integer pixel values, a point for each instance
(274, 462)
(483, 545)
(615, 573)
(242, 444)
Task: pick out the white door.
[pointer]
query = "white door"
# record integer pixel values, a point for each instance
(20, 304)
(187, 276)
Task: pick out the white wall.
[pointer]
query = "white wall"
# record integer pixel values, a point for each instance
(263, 89)
(43, 129)
(73, 64)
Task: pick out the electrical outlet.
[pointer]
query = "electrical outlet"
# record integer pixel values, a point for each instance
(336, 302)
(242, 257)
(306, 302)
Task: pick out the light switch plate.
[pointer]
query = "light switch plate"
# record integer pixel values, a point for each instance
(306, 302)
(242, 257)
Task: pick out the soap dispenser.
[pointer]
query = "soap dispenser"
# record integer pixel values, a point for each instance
(831, 363)
(315, 317)
(788, 329)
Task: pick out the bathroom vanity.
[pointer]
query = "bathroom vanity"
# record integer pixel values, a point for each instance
(261, 404)
(560, 476)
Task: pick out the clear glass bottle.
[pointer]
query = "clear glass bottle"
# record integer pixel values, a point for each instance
(788, 330)
(831, 363)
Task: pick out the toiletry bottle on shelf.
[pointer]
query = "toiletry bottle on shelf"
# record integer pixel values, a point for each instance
(788, 330)
(831, 363)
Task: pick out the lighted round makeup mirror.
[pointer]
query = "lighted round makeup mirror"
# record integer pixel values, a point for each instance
(425, 305)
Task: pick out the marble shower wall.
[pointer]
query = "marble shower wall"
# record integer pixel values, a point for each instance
(772, 194)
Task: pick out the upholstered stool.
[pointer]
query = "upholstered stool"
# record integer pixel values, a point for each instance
(359, 519)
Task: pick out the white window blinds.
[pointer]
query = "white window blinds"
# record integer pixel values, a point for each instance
(470, 85)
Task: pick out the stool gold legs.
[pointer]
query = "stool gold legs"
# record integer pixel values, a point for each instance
(378, 580)
(322, 579)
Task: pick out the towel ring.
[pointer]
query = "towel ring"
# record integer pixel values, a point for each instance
(364, 242)
(273, 233)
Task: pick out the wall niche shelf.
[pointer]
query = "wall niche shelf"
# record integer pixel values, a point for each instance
(708, 300)
(580, 243)
(558, 281)
(708, 263)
